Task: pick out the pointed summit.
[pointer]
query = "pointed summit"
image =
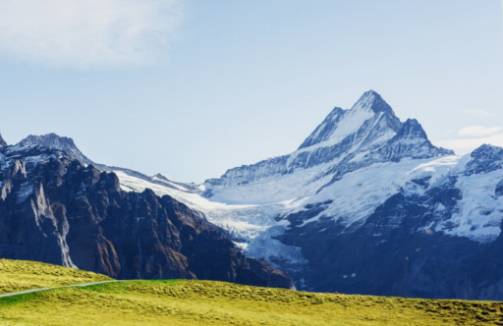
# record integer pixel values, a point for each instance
(371, 100)
(340, 123)
(411, 141)
(411, 128)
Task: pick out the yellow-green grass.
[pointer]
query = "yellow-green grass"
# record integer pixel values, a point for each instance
(17, 275)
(215, 303)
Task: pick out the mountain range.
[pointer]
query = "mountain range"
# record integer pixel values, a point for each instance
(366, 204)
(57, 207)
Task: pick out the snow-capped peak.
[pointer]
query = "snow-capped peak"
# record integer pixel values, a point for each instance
(51, 140)
(488, 151)
(346, 141)
(485, 159)
(372, 101)
(54, 142)
(339, 124)
(411, 141)
(411, 128)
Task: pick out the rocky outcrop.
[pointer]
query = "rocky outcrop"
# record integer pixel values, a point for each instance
(53, 142)
(56, 210)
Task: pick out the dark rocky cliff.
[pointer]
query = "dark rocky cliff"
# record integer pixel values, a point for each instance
(56, 210)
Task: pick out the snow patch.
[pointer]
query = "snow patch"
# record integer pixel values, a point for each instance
(479, 214)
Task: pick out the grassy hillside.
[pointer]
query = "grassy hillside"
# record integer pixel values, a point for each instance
(20, 275)
(215, 303)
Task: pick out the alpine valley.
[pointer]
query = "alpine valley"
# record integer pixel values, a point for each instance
(366, 204)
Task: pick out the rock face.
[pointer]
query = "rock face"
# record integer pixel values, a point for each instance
(54, 142)
(54, 209)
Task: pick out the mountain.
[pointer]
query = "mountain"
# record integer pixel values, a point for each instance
(54, 142)
(346, 141)
(55, 208)
(366, 204)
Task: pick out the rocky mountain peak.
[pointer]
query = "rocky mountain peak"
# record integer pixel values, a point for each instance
(411, 128)
(53, 141)
(50, 140)
(488, 152)
(485, 159)
(371, 100)
(411, 141)
(341, 123)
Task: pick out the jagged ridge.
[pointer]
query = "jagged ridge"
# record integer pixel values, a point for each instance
(345, 141)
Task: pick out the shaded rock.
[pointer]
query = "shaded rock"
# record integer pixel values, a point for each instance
(61, 212)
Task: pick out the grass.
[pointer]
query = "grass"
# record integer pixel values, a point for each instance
(21, 275)
(215, 303)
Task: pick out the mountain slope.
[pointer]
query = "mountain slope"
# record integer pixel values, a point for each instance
(55, 209)
(347, 140)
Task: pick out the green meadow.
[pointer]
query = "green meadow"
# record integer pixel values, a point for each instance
(181, 302)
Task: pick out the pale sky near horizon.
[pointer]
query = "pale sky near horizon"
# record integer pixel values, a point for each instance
(191, 88)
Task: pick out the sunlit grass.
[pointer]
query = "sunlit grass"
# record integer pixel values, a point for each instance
(180, 302)
(20, 275)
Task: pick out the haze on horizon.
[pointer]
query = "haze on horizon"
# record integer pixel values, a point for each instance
(190, 89)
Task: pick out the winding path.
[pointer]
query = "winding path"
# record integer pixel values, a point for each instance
(82, 285)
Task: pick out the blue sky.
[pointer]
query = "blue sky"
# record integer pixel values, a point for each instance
(190, 88)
